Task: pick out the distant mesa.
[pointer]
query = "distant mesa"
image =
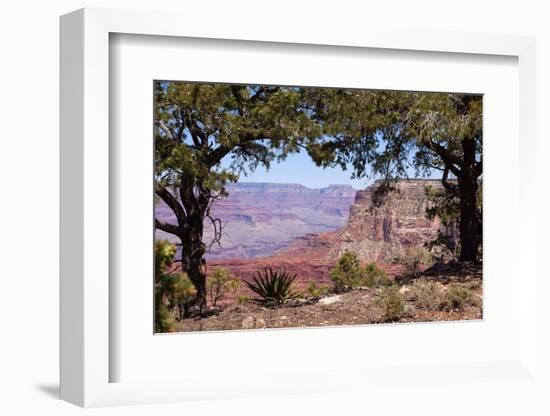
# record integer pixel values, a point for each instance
(262, 218)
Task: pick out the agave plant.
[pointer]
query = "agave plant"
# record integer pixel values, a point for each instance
(273, 287)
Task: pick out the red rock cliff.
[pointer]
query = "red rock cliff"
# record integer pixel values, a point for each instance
(377, 232)
(384, 231)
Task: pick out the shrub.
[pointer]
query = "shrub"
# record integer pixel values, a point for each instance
(273, 287)
(374, 276)
(182, 293)
(164, 321)
(427, 295)
(220, 283)
(392, 302)
(172, 290)
(413, 258)
(317, 291)
(349, 273)
(164, 255)
(457, 298)
(241, 299)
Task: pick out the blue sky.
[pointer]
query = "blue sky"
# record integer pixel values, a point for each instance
(298, 168)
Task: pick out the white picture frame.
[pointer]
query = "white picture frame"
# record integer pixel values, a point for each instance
(85, 165)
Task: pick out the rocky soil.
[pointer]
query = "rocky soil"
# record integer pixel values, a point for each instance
(356, 307)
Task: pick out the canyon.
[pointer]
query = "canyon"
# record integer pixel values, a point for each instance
(261, 218)
(379, 232)
(304, 231)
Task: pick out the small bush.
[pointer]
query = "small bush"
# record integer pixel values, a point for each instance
(413, 258)
(183, 293)
(457, 298)
(242, 300)
(427, 295)
(164, 321)
(273, 287)
(220, 283)
(392, 302)
(374, 276)
(317, 291)
(176, 290)
(348, 273)
(164, 256)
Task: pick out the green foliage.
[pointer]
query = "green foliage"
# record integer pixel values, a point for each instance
(457, 298)
(197, 125)
(413, 257)
(164, 319)
(241, 299)
(387, 133)
(349, 273)
(182, 292)
(392, 302)
(427, 295)
(374, 276)
(443, 205)
(220, 283)
(164, 255)
(316, 291)
(273, 287)
(206, 136)
(173, 291)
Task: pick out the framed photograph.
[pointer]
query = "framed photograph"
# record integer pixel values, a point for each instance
(286, 213)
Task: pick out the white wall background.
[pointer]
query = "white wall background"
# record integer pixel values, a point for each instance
(29, 184)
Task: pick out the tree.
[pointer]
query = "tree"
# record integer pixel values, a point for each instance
(206, 135)
(388, 133)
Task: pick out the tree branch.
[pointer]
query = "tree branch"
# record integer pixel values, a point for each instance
(171, 201)
(166, 227)
(450, 159)
(450, 187)
(165, 129)
(198, 139)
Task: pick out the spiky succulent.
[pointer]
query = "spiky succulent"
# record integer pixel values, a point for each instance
(273, 287)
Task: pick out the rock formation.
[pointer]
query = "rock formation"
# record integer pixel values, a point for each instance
(380, 231)
(383, 231)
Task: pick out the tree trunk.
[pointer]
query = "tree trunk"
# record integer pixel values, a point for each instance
(470, 218)
(470, 225)
(198, 277)
(192, 253)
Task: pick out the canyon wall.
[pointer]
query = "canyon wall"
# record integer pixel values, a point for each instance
(384, 231)
(377, 232)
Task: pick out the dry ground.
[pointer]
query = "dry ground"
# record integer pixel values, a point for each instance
(356, 307)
